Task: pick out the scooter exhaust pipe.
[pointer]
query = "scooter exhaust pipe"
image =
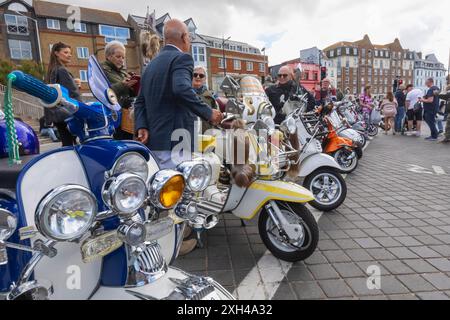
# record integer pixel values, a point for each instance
(204, 221)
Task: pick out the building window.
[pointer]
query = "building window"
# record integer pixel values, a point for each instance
(339, 51)
(80, 27)
(16, 24)
(53, 24)
(237, 64)
(355, 51)
(347, 51)
(83, 53)
(198, 54)
(115, 33)
(249, 66)
(222, 65)
(20, 50)
(332, 54)
(262, 67)
(83, 75)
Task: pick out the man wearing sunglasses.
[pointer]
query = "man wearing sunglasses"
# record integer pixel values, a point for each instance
(280, 92)
(167, 101)
(208, 97)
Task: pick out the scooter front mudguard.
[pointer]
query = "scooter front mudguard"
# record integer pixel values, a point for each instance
(261, 192)
(315, 162)
(161, 289)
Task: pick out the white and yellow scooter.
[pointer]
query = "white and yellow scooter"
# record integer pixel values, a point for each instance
(286, 226)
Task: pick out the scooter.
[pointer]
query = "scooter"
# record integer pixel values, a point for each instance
(27, 138)
(319, 172)
(97, 221)
(344, 151)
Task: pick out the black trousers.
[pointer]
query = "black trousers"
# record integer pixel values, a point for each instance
(122, 135)
(67, 138)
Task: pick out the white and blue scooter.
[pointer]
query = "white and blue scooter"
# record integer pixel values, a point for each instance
(97, 221)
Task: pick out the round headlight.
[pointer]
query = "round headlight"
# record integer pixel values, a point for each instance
(8, 224)
(197, 175)
(66, 213)
(289, 125)
(270, 123)
(166, 189)
(131, 162)
(125, 194)
(111, 96)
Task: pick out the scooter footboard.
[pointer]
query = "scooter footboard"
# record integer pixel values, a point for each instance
(175, 285)
(261, 192)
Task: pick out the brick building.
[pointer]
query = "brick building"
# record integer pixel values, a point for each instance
(86, 37)
(310, 75)
(18, 33)
(241, 59)
(363, 63)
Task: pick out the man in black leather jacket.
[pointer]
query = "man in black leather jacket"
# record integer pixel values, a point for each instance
(278, 94)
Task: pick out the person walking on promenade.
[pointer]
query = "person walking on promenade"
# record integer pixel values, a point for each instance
(389, 108)
(415, 110)
(401, 110)
(57, 73)
(431, 108)
(446, 98)
(122, 84)
(167, 101)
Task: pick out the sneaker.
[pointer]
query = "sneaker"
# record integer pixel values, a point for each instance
(418, 134)
(188, 246)
(431, 139)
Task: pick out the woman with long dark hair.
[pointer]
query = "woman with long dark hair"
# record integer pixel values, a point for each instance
(60, 58)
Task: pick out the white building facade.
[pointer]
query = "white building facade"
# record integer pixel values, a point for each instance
(426, 68)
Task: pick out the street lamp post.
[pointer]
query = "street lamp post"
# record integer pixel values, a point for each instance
(223, 56)
(264, 50)
(37, 33)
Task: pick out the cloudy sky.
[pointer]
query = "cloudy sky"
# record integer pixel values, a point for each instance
(285, 27)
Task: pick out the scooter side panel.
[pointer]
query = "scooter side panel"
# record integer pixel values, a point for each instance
(71, 278)
(260, 192)
(316, 161)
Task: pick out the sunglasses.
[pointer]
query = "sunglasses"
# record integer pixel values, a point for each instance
(199, 75)
(283, 75)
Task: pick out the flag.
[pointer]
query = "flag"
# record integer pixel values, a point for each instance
(150, 19)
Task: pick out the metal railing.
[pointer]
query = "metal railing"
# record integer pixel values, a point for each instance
(24, 108)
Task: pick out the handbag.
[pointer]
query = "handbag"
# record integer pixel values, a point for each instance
(375, 117)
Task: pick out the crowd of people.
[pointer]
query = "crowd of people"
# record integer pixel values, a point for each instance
(172, 93)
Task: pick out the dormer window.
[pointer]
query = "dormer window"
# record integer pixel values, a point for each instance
(16, 24)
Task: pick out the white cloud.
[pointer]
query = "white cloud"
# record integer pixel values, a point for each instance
(299, 24)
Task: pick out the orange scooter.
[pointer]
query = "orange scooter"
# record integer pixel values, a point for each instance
(344, 151)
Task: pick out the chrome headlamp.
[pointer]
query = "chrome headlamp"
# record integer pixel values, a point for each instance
(270, 123)
(289, 125)
(125, 194)
(131, 162)
(8, 224)
(265, 109)
(166, 189)
(66, 213)
(196, 174)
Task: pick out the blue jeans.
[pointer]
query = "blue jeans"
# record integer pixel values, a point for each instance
(401, 113)
(49, 132)
(430, 119)
(440, 123)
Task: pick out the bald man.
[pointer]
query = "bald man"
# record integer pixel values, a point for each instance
(278, 94)
(167, 101)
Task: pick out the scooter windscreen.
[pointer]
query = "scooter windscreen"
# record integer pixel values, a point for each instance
(100, 85)
(255, 100)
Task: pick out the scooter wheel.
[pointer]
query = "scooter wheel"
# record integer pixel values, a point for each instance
(373, 130)
(294, 212)
(328, 187)
(347, 166)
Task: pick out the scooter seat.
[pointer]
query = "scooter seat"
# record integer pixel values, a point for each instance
(10, 174)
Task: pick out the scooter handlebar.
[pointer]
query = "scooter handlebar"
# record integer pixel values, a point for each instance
(34, 87)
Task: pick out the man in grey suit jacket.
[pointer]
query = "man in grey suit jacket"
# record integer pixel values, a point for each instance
(167, 101)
